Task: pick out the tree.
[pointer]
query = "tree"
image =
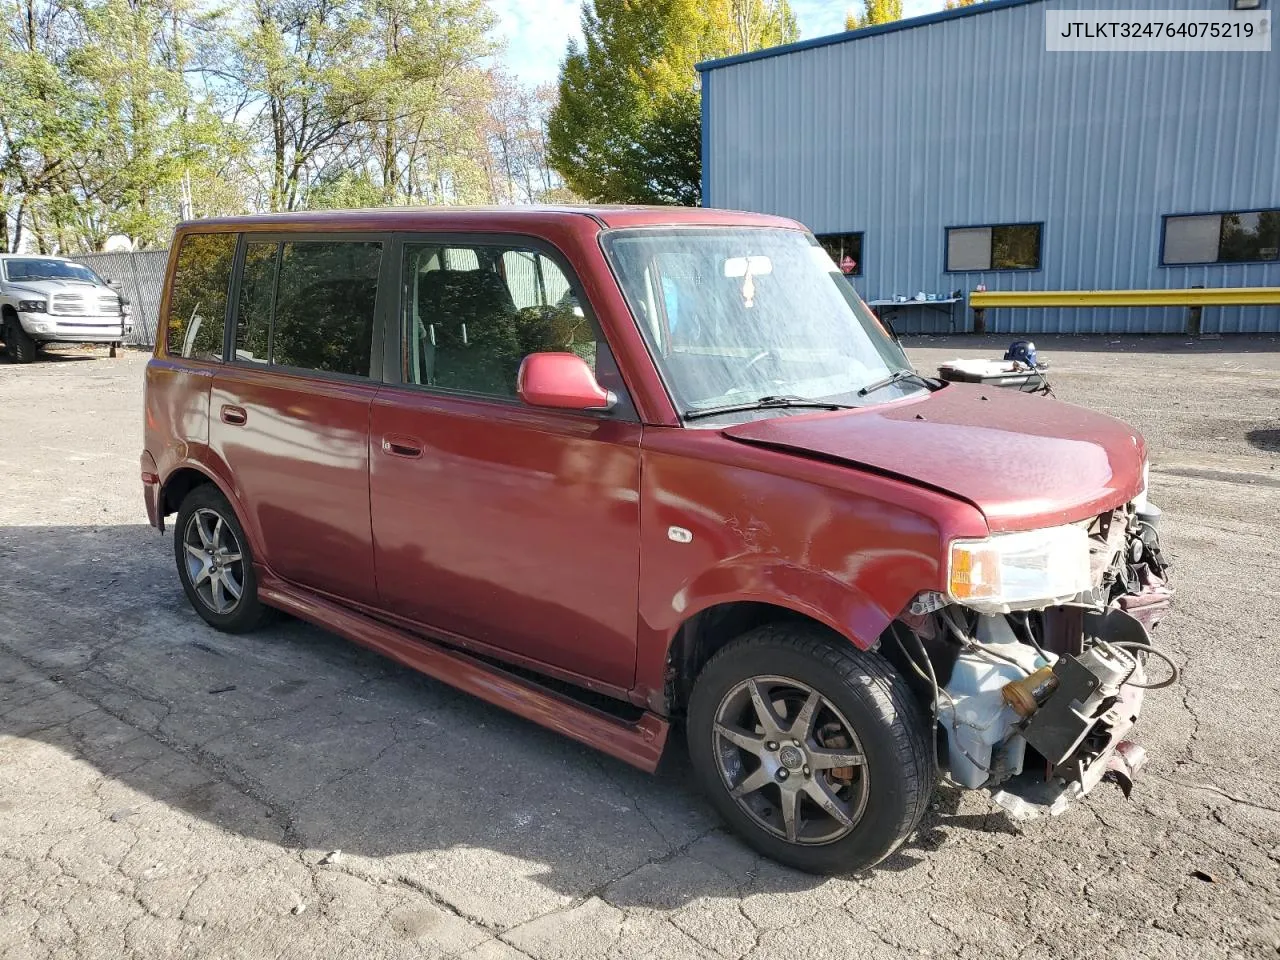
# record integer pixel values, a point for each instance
(873, 12)
(100, 131)
(957, 4)
(152, 140)
(432, 52)
(758, 24)
(304, 66)
(627, 126)
(41, 122)
(124, 116)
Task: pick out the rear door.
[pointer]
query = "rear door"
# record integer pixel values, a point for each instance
(189, 348)
(511, 529)
(289, 412)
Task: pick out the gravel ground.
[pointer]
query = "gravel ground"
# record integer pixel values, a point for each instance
(168, 791)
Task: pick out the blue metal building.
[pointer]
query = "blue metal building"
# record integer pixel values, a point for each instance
(952, 150)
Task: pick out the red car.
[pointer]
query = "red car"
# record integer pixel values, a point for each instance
(618, 468)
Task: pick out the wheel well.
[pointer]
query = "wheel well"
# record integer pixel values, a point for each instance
(178, 486)
(8, 312)
(703, 634)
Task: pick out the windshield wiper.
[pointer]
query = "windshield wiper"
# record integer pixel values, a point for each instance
(898, 377)
(765, 403)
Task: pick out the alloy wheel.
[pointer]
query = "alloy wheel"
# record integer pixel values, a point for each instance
(214, 559)
(790, 760)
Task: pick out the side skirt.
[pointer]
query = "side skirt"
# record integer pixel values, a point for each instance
(639, 744)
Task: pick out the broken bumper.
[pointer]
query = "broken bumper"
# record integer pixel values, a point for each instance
(1079, 748)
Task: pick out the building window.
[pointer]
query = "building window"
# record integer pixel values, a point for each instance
(1005, 246)
(1248, 236)
(845, 249)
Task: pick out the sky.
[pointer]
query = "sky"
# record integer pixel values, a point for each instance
(536, 31)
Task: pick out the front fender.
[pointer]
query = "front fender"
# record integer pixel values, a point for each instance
(846, 549)
(840, 606)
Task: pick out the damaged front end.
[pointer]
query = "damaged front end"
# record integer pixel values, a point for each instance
(1034, 698)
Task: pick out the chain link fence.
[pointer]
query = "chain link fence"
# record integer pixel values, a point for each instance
(140, 276)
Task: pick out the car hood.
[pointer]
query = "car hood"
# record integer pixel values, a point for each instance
(1024, 461)
(47, 288)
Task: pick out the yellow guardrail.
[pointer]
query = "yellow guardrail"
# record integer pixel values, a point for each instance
(1194, 297)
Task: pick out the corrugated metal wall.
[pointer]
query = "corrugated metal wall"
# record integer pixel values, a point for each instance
(970, 121)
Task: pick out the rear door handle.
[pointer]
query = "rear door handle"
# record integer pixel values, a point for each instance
(233, 415)
(402, 447)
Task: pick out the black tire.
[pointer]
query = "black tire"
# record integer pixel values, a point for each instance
(247, 611)
(890, 723)
(22, 346)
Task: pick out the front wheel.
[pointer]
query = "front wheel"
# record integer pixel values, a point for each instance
(815, 752)
(22, 346)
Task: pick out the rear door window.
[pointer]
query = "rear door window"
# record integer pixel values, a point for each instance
(309, 304)
(325, 306)
(198, 296)
(256, 301)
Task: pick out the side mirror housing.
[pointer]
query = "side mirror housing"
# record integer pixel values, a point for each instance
(561, 381)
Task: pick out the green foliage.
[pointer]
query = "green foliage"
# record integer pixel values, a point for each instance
(124, 116)
(627, 125)
(101, 132)
(874, 12)
(346, 190)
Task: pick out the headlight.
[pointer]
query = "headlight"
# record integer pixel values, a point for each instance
(33, 306)
(1019, 571)
(1140, 501)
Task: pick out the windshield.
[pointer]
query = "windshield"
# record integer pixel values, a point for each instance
(39, 268)
(736, 314)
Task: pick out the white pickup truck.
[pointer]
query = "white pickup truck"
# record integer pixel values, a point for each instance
(54, 300)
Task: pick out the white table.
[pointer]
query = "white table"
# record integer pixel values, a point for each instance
(887, 309)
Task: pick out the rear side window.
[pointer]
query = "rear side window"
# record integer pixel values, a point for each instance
(198, 295)
(309, 304)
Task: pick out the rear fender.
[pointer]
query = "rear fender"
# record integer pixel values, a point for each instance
(204, 461)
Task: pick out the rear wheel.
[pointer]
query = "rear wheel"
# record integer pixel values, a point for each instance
(215, 562)
(814, 751)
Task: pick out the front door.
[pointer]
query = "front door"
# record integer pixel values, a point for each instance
(512, 529)
(289, 413)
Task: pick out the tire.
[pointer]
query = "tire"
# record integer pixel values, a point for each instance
(865, 712)
(210, 585)
(22, 346)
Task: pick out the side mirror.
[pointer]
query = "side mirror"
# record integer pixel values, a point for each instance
(562, 381)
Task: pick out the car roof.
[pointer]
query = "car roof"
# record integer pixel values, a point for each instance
(491, 218)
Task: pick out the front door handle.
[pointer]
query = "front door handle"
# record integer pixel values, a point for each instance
(407, 447)
(233, 414)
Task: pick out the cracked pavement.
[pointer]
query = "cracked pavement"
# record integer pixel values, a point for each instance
(169, 791)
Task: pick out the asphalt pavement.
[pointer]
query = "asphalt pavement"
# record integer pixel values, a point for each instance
(168, 791)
